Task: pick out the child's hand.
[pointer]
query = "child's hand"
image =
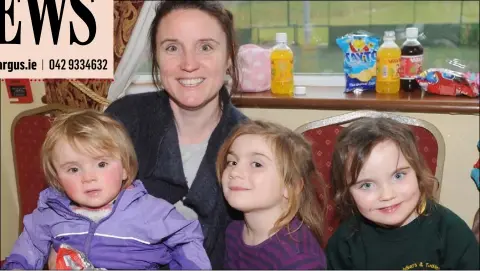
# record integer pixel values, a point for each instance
(52, 258)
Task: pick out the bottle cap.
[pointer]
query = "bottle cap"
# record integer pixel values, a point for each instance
(390, 35)
(281, 37)
(412, 33)
(300, 90)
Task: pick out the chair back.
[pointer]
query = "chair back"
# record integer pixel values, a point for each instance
(29, 130)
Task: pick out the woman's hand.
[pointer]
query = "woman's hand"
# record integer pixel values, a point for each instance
(52, 259)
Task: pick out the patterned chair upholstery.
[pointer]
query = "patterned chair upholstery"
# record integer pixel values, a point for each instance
(28, 133)
(322, 134)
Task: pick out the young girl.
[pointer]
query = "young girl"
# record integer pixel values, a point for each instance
(267, 172)
(383, 190)
(95, 205)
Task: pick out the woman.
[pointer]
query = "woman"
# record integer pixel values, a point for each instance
(177, 132)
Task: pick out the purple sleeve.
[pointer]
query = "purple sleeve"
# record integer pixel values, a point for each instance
(32, 246)
(183, 237)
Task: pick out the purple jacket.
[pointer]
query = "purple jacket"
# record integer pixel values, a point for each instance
(142, 232)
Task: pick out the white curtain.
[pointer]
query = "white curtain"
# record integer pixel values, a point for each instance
(136, 51)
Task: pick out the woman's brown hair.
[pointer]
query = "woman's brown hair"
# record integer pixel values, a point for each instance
(293, 156)
(353, 147)
(214, 9)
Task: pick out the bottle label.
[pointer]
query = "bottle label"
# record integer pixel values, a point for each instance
(388, 69)
(410, 66)
(282, 70)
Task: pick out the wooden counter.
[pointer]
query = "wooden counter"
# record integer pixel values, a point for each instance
(333, 98)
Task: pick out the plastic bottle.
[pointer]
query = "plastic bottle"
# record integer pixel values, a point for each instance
(388, 65)
(282, 67)
(411, 63)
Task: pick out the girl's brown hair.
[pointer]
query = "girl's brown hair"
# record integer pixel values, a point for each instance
(352, 149)
(294, 159)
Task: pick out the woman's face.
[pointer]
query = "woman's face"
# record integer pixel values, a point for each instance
(192, 56)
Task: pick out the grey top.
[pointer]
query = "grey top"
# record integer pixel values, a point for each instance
(192, 155)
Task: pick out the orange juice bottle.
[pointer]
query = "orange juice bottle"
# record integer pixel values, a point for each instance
(282, 67)
(388, 65)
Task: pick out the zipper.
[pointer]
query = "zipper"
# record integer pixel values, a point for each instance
(91, 233)
(93, 225)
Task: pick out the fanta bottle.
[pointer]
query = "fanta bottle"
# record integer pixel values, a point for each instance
(282, 67)
(388, 65)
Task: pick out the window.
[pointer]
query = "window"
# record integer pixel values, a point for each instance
(449, 29)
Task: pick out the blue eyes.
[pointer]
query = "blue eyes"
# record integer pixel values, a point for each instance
(396, 177)
(366, 186)
(399, 175)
